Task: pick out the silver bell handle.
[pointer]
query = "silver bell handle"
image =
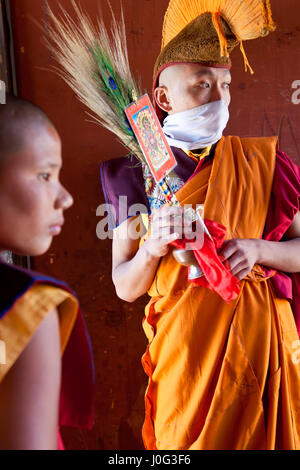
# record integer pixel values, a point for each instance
(187, 258)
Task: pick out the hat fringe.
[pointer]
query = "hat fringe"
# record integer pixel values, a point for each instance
(223, 42)
(247, 19)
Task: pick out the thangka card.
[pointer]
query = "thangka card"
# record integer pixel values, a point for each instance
(149, 133)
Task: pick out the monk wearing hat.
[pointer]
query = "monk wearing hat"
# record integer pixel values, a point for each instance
(221, 375)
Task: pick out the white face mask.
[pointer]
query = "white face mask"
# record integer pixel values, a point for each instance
(197, 127)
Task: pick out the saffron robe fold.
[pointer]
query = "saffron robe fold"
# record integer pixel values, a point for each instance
(223, 376)
(26, 298)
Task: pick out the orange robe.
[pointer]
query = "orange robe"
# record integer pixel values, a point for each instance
(223, 376)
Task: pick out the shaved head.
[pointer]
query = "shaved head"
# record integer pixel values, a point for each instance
(17, 118)
(169, 74)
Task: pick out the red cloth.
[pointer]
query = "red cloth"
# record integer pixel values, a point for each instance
(217, 276)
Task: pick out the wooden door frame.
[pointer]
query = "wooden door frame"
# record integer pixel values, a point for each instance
(7, 68)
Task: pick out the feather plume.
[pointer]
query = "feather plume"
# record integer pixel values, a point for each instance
(96, 66)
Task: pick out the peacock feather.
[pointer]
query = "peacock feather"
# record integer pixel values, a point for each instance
(96, 66)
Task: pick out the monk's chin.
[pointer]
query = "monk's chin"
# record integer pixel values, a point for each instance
(37, 248)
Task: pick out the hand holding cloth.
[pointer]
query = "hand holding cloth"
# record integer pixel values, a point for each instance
(217, 276)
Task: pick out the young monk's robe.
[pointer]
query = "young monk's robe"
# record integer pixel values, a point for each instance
(26, 298)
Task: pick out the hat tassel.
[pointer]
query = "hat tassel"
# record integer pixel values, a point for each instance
(223, 42)
(221, 35)
(246, 61)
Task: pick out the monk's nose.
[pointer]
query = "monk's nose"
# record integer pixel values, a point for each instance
(64, 200)
(217, 93)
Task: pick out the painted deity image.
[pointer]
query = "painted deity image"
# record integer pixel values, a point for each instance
(151, 137)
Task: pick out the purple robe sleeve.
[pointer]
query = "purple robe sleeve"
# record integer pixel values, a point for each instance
(284, 205)
(123, 187)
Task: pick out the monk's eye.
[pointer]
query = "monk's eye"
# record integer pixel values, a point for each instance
(45, 176)
(204, 85)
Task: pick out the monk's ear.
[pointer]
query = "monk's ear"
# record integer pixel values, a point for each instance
(162, 99)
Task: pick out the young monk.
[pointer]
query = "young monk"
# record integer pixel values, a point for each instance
(221, 375)
(38, 315)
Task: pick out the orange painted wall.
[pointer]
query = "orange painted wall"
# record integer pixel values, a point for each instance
(261, 105)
